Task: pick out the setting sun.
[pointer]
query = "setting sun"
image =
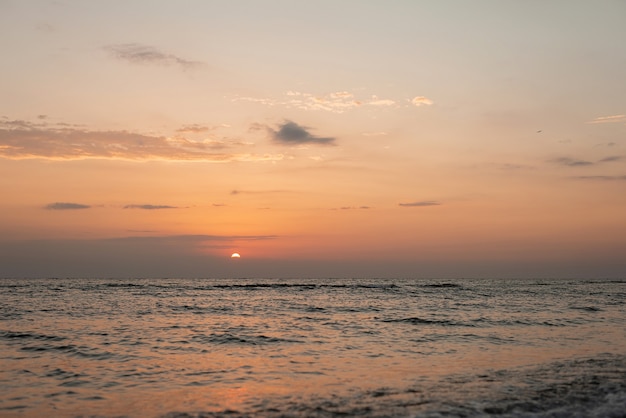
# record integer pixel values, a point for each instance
(235, 255)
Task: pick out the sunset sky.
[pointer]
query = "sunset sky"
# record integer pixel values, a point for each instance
(315, 138)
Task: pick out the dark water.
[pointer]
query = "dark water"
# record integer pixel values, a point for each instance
(322, 348)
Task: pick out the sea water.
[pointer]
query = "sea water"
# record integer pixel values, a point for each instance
(312, 348)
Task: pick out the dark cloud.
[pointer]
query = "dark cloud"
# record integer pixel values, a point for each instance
(290, 133)
(65, 206)
(420, 203)
(127, 256)
(571, 162)
(150, 207)
(145, 54)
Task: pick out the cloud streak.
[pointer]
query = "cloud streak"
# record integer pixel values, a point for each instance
(65, 206)
(608, 119)
(148, 55)
(572, 162)
(421, 203)
(25, 140)
(601, 178)
(150, 207)
(421, 101)
(337, 102)
(290, 133)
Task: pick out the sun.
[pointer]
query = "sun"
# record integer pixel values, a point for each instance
(235, 255)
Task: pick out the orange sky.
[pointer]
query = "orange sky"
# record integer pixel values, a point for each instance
(331, 139)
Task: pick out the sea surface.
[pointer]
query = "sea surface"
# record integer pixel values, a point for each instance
(181, 348)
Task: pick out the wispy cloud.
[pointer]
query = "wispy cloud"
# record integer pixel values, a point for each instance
(65, 206)
(25, 140)
(195, 128)
(145, 54)
(150, 207)
(375, 101)
(290, 133)
(601, 178)
(608, 119)
(571, 162)
(238, 192)
(336, 102)
(421, 101)
(420, 203)
(611, 159)
(352, 208)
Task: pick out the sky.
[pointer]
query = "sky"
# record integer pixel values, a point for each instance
(317, 139)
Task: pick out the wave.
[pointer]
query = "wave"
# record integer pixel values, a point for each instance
(484, 322)
(11, 335)
(423, 321)
(240, 339)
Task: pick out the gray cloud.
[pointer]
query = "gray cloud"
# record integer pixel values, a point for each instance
(291, 133)
(611, 159)
(126, 256)
(601, 178)
(65, 206)
(23, 140)
(420, 203)
(150, 207)
(571, 162)
(145, 54)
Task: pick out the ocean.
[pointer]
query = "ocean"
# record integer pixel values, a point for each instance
(183, 348)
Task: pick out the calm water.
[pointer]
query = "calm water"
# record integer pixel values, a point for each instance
(335, 347)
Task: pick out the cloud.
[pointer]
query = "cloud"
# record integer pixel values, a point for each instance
(195, 128)
(608, 119)
(25, 140)
(611, 159)
(290, 133)
(145, 54)
(602, 178)
(352, 208)
(421, 101)
(570, 162)
(237, 192)
(375, 101)
(150, 207)
(65, 206)
(420, 203)
(336, 102)
(380, 133)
